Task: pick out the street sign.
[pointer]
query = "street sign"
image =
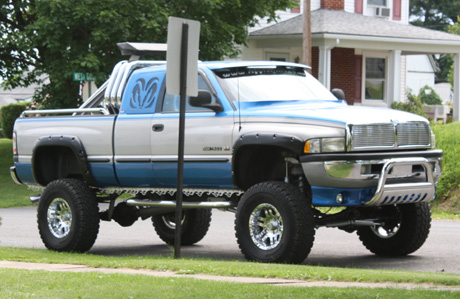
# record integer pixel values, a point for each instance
(77, 76)
(181, 79)
(173, 56)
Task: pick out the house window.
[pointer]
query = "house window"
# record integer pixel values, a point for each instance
(277, 56)
(377, 2)
(375, 79)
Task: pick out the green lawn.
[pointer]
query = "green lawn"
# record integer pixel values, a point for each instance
(228, 268)
(12, 195)
(42, 284)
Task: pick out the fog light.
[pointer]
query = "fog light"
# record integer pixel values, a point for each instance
(339, 198)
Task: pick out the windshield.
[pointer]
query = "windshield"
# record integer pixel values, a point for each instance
(280, 83)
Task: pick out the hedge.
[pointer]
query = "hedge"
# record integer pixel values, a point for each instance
(9, 114)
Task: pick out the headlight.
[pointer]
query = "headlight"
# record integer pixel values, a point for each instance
(433, 140)
(325, 145)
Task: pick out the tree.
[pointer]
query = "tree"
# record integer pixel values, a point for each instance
(434, 14)
(429, 96)
(437, 15)
(59, 37)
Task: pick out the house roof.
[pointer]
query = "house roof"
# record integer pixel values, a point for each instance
(345, 25)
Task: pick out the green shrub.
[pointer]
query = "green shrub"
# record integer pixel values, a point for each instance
(414, 105)
(429, 96)
(448, 139)
(9, 114)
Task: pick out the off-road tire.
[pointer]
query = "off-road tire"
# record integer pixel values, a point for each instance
(415, 222)
(68, 216)
(195, 225)
(283, 218)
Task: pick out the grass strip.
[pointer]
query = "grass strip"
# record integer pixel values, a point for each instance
(43, 284)
(12, 195)
(229, 268)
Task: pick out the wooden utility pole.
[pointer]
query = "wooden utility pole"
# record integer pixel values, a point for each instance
(306, 32)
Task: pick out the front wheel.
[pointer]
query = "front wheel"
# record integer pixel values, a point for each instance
(403, 231)
(68, 216)
(274, 223)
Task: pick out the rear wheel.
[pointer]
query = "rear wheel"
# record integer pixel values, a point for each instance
(195, 225)
(274, 223)
(68, 216)
(404, 230)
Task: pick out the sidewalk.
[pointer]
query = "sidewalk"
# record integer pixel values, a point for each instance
(268, 281)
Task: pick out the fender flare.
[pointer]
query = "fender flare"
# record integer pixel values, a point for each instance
(289, 142)
(71, 142)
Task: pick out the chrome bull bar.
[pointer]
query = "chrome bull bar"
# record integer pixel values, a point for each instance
(387, 194)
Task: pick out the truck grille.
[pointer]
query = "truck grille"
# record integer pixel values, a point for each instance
(402, 135)
(413, 134)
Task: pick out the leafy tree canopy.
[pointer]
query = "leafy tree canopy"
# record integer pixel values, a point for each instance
(437, 15)
(429, 96)
(434, 14)
(58, 37)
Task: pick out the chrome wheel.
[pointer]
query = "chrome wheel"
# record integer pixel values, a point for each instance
(170, 220)
(59, 218)
(266, 226)
(385, 232)
(404, 229)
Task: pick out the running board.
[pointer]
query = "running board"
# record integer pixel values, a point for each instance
(185, 204)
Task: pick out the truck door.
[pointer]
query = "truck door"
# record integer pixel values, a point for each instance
(208, 143)
(133, 131)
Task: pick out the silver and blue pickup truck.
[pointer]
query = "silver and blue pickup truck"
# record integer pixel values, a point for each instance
(262, 139)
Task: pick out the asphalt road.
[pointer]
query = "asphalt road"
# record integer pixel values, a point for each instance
(440, 253)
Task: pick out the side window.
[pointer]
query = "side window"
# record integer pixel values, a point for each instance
(171, 102)
(142, 92)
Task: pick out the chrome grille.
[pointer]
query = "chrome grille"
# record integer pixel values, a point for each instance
(413, 134)
(375, 136)
(366, 136)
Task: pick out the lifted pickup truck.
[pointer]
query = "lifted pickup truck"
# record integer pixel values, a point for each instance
(263, 139)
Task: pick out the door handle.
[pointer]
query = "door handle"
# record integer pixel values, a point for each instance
(158, 127)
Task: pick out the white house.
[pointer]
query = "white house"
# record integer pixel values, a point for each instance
(360, 46)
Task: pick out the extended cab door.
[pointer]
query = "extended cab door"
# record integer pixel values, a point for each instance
(133, 130)
(208, 143)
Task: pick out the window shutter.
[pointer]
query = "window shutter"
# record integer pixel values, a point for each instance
(397, 10)
(359, 6)
(358, 77)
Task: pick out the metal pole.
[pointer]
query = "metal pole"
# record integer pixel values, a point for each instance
(180, 163)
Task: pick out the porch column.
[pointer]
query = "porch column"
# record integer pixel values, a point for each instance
(324, 66)
(456, 96)
(394, 77)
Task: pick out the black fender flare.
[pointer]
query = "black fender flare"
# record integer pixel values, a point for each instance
(71, 142)
(288, 142)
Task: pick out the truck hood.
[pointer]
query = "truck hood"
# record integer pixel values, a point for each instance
(330, 111)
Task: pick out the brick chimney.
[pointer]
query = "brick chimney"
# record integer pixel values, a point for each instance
(333, 4)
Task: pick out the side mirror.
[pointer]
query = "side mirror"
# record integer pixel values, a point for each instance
(338, 93)
(204, 99)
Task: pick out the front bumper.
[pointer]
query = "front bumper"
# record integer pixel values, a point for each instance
(356, 179)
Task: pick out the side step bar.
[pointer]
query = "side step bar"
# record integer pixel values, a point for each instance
(185, 204)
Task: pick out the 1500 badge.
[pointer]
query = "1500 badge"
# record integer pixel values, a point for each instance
(216, 148)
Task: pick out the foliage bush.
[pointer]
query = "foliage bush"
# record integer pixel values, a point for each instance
(448, 139)
(429, 96)
(9, 114)
(414, 105)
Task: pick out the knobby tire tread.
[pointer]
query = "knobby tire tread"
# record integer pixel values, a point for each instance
(85, 215)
